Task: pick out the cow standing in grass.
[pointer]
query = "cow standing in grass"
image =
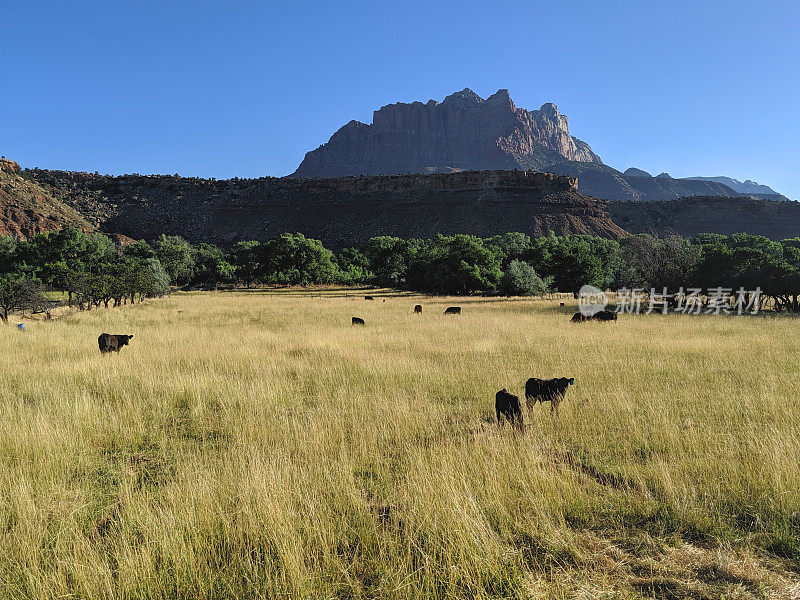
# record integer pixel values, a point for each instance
(112, 343)
(547, 390)
(452, 310)
(508, 406)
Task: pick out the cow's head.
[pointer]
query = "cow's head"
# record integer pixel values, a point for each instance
(565, 381)
(124, 339)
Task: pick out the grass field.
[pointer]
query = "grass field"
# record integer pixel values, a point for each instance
(256, 444)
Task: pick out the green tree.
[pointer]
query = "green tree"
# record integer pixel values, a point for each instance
(353, 267)
(247, 259)
(210, 266)
(389, 258)
(573, 264)
(520, 279)
(458, 264)
(175, 255)
(293, 258)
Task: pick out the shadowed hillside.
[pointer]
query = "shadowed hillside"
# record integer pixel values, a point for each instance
(26, 209)
(339, 211)
(690, 216)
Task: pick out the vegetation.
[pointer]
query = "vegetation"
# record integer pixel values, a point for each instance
(92, 272)
(256, 445)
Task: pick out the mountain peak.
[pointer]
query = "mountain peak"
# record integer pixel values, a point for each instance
(465, 96)
(463, 132)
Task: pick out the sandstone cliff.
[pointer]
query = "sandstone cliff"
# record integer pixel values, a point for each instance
(340, 211)
(462, 132)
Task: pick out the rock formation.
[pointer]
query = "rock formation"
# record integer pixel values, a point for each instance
(341, 212)
(466, 132)
(463, 132)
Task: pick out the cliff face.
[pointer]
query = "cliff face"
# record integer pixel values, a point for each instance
(339, 211)
(690, 216)
(463, 132)
(26, 209)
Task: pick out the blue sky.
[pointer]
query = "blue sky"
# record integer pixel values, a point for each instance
(233, 88)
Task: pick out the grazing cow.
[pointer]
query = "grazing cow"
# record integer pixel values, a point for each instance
(368, 298)
(579, 318)
(112, 343)
(452, 310)
(508, 406)
(358, 321)
(544, 390)
(605, 315)
(418, 308)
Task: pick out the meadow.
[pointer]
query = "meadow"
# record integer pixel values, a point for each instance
(254, 444)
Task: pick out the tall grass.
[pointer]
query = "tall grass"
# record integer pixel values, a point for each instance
(258, 445)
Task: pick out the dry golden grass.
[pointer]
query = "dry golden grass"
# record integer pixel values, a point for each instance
(257, 445)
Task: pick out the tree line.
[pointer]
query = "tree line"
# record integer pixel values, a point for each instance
(90, 270)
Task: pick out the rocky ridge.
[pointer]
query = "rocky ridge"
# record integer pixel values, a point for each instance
(341, 211)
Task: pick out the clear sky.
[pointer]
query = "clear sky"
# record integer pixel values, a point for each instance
(234, 88)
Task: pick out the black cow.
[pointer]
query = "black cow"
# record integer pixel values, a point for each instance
(368, 298)
(546, 390)
(508, 406)
(452, 310)
(579, 318)
(605, 315)
(112, 343)
(418, 308)
(358, 321)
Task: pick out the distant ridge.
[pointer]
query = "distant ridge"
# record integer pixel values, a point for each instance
(748, 186)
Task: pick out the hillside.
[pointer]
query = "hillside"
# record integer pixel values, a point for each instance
(690, 216)
(339, 211)
(26, 209)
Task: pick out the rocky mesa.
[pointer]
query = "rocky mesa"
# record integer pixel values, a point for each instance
(341, 212)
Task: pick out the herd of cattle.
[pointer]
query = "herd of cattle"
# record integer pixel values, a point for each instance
(507, 406)
(450, 310)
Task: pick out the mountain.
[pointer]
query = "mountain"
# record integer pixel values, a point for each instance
(341, 212)
(463, 132)
(466, 132)
(748, 187)
(26, 209)
(602, 181)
